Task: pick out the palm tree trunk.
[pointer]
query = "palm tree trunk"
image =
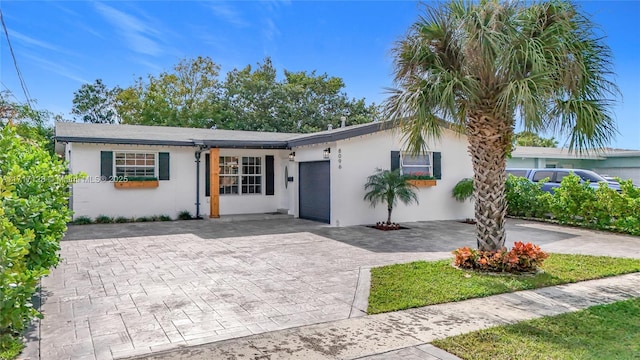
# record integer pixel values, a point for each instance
(489, 142)
(389, 215)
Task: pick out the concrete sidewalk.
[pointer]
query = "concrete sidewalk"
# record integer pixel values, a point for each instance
(406, 334)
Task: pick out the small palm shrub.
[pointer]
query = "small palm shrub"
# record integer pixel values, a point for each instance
(185, 215)
(103, 219)
(164, 218)
(143, 219)
(121, 220)
(389, 186)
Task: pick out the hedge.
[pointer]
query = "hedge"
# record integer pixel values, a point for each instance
(33, 216)
(578, 204)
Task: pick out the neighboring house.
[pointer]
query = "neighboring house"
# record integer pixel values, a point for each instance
(608, 162)
(318, 176)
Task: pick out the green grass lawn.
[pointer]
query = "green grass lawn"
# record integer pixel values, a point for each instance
(421, 283)
(600, 332)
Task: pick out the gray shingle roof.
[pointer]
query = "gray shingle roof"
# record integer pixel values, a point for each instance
(174, 136)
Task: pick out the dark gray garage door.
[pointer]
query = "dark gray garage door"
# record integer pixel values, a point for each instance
(315, 194)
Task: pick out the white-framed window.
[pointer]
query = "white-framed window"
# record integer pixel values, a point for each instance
(240, 175)
(135, 164)
(420, 164)
(229, 171)
(251, 175)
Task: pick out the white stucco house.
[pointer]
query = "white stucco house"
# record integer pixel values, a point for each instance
(318, 176)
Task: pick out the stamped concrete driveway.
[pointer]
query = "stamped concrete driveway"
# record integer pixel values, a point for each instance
(130, 289)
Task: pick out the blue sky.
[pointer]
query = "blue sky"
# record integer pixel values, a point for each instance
(60, 45)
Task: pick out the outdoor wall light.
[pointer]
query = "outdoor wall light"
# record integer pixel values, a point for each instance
(292, 156)
(326, 153)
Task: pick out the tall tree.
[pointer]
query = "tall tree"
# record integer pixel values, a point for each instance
(28, 122)
(300, 102)
(187, 96)
(529, 138)
(96, 103)
(481, 66)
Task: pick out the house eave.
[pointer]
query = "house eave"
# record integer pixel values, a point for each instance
(340, 134)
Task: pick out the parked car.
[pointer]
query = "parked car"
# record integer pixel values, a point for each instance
(556, 175)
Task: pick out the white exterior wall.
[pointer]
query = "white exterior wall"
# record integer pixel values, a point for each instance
(360, 156)
(257, 203)
(92, 197)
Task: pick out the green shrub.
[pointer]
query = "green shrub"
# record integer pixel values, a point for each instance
(121, 220)
(185, 215)
(82, 220)
(104, 219)
(463, 190)
(143, 219)
(165, 218)
(525, 198)
(33, 218)
(577, 203)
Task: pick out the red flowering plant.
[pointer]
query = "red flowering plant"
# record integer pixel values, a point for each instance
(521, 258)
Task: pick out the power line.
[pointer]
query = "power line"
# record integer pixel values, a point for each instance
(15, 62)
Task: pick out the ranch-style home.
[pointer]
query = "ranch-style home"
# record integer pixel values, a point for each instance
(212, 173)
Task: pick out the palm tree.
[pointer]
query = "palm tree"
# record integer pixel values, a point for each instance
(478, 67)
(386, 186)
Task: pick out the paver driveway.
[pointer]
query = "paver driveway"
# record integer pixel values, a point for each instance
(128, 289)
(117, 297)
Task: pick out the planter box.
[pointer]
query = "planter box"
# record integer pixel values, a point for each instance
(423, 183)
(146, 184)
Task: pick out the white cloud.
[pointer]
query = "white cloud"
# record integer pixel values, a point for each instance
(227, 13)
(139, 36)
(56, 67)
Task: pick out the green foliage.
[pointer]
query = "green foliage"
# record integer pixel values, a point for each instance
(191, 95)
(103, 219)
(144, 219)
(95, 103)
(184, 215)
(421, 283)
(187, 96)
(10, 347)
(526, 198)
(577, 203)
(164, 218)
(387, 187)
(29, 123)
(418, 176)
(301, 102)
(82, 220)
(121, 220)
(485, 67)
(600, 332)
(463, 190)
(528, 138)
(33, 218)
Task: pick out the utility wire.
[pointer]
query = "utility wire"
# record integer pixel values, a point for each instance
(15, 62)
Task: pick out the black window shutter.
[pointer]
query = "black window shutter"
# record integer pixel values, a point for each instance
(270, 175)
(437, 165)
(106, 164)
(163, 166)
(395, 160)
(207, 176)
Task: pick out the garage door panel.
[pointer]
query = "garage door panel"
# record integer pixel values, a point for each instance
(314, 191)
